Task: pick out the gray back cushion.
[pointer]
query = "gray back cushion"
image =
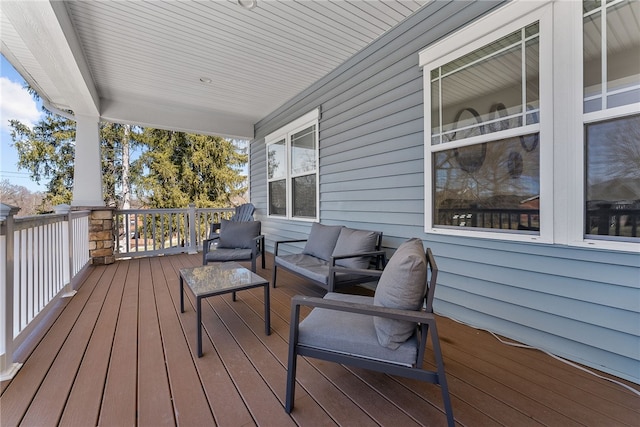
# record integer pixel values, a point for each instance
(238, 235)
(322, 240)
(402, 285)
(352, 241)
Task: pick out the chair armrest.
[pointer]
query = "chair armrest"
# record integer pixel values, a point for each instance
(259, 242)
(258, 248)
(418, 316)
(206, 246)
(207, 242)
(275, 250)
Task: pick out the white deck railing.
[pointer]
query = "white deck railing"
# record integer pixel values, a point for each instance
(151, 232)
(39, 258)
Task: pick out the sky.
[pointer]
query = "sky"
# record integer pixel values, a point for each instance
(15, 103)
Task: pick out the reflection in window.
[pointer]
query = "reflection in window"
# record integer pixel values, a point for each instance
(495, 185)
(276, 158)
(292, 168)
(304, 196)
(278, 198)
(611, 46)
(612, 78)
(485, 91)
(613, 178)
(303, 151)
(488, 180)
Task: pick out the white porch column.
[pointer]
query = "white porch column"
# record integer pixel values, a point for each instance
(87, 176)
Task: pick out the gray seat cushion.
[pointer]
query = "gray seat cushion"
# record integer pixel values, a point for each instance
(353, 334)
(226, 254)
(402, 285)
(352, 241)
(322, 240)
(238, 234)
(311, 267)
(305, 265)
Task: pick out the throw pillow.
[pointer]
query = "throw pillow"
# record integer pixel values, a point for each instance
(322, 239)
(402, 285)
(352, 241)
(238, 235)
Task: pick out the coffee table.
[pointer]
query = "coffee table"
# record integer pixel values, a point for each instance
(218, 279)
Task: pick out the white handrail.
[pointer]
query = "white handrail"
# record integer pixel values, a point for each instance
(39, 258)
(149, 232)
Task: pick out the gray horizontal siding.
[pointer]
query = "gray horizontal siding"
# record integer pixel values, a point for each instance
(579, 303)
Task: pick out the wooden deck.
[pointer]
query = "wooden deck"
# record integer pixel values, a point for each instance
(120, 353)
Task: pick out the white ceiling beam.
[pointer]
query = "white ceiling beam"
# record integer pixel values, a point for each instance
(46, 31)
(178, 118)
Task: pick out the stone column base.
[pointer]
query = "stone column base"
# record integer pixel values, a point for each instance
(101, 236)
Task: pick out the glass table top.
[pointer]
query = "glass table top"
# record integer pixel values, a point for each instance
(219, 278)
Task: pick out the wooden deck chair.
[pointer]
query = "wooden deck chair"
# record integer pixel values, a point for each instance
(385, 333)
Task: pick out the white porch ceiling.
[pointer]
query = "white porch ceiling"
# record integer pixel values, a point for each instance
(141, 62)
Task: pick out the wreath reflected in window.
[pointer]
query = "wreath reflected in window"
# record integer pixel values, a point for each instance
(496, 112)
(530, 142)
(471, 158)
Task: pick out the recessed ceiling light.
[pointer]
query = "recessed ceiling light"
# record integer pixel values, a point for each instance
(247, 4)
(205, 80)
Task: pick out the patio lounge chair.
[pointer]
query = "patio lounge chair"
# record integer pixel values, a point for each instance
(237, 241)
(385, 333)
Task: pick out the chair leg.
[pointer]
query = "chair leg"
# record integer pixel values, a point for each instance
(442, 379)
(291, 382)
(273, 278)
(293, 356)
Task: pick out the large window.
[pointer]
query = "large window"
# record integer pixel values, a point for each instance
(292, 169)
(532, 125)
(484, 148)
(611, 119)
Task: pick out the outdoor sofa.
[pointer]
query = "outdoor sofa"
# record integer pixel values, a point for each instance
(333, 256)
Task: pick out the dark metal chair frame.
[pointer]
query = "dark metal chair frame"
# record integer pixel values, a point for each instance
(257, 249)
(424, 318)
(378, 257)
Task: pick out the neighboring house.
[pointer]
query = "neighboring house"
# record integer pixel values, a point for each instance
(515, 145)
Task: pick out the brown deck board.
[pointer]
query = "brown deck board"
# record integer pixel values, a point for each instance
(225, 401)
(17, 395)
(120, 353)
(85, 398)
(118, 406)
(154, 395)
(51, 397)
(190, 408)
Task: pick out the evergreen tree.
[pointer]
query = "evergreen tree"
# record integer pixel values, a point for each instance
(182, 168)
(174, 169)
(47, 152)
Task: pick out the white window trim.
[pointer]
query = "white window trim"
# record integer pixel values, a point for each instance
(482, 32)
(569, 17)
(285, 132)
(562, 120)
